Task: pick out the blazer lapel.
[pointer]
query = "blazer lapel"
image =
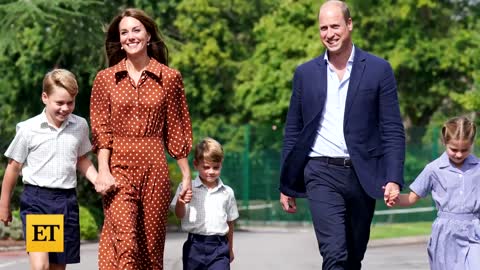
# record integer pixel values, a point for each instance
(355, 77)
(319, 89)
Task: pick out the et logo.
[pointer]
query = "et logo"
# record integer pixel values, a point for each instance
(44, 233)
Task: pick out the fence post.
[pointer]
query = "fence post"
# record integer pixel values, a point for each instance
(435, 135)
(246, 169)
(435, 140)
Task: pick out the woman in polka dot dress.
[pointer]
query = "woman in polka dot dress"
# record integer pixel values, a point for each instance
(138, 110)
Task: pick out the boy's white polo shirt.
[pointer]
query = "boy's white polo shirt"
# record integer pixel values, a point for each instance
(49, 154)
(209, 210)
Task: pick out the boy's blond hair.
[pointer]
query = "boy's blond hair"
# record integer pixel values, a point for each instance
(60, 78)
(208, 150)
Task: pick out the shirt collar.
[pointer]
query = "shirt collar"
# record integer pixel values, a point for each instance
(198, 183)
(154, 67)
(350, 59)
(444, 161)
(44, 121)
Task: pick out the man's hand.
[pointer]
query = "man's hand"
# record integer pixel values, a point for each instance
(289, 204)
(391, 192)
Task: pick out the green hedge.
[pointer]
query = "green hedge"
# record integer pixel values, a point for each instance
(89, 227)
(14, 229)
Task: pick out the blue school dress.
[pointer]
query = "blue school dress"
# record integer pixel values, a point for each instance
(455, 240)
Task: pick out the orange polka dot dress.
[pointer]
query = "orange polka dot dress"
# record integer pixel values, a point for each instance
(138, 123)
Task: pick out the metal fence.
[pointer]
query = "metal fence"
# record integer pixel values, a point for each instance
(252, 166)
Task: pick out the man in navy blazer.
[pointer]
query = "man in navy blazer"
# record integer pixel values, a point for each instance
(344, 142)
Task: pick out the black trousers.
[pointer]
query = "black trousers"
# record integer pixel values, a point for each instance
(342, 213)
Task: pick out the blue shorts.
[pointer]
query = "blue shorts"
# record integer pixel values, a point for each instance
(206, 252)
(40, 200)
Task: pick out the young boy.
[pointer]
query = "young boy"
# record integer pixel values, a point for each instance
(209, 216)
(48, 149)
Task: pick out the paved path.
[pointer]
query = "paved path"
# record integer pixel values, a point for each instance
(267, 249)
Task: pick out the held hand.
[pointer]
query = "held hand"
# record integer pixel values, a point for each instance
(185, 197)
(391, 193)
(104, 182)
(289, 204)
(232, 256)
(5, 215)
(186, 186)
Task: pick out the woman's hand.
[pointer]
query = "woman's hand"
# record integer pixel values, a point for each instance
(186, 193)
(187, 196)
(186, 178)
(104, 182)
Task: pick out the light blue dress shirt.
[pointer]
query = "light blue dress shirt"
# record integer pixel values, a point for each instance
(330, 140)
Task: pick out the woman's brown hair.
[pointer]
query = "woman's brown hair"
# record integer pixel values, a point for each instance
(157, 48)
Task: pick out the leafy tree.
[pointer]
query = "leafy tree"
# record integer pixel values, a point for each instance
(39, 36)
(430, 44)
(215, 38)
(285, 38)
(237, 58)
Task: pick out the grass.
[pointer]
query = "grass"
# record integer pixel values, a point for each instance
(382, 231)
(383, 226)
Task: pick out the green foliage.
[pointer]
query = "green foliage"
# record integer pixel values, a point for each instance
(237, 59)
(42, 35)
(18, 14)
(212, 50)
(14, 229)
(285, 38)
(431, 46)
(384, 231)
(88, 226)
(470, 100)
(88, 197)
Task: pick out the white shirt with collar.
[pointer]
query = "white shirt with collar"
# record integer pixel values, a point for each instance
(209, 210)
(330, 140)
(49, 155)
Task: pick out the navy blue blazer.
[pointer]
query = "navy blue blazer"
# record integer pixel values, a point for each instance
(372, 126)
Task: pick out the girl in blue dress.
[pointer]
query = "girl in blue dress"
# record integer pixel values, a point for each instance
(454, 182)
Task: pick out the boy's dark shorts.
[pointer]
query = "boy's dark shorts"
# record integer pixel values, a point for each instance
(40, 200)
(206, 252)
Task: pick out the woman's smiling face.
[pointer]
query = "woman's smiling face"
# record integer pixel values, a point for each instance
(134, 37)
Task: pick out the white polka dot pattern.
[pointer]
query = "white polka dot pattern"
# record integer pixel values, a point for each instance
(138, 123)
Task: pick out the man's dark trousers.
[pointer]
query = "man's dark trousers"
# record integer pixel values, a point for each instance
(341, 211)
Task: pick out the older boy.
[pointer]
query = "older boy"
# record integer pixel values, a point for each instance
(48, 149)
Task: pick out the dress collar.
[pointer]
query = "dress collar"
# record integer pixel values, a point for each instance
(154, 67)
